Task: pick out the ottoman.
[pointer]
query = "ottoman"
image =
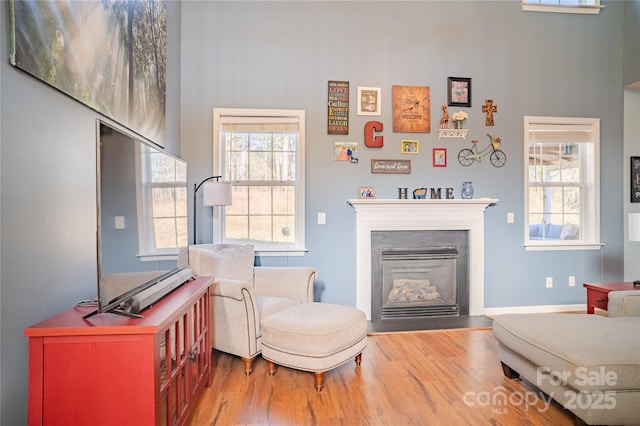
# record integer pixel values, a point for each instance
(314, 337)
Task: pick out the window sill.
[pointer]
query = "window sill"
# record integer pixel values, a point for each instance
(157, 257)
(283, 252)
(581, 9)
(550, 246)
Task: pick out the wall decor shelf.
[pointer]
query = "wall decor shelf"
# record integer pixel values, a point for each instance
(112, 369)
(452, 133)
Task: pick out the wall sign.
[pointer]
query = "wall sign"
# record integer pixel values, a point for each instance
(635, 179)
(391, 166)
(411, 109)
(338, 108)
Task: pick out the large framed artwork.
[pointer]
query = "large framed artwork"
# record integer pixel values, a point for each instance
(108, 55)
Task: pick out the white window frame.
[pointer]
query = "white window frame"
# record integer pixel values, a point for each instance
(590, 211)
(585, 7)
(220, 115)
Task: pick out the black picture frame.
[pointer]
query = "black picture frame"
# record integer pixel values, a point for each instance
(459, 91)
(635, 180)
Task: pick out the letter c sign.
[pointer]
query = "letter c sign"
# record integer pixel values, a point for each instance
(369, 140)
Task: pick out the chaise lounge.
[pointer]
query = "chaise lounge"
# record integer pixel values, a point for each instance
(588, 363)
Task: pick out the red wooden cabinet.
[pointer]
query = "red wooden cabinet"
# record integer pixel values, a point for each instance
(109, 369)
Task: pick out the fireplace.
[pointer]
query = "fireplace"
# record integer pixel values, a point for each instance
(421, 215)
(419, 274)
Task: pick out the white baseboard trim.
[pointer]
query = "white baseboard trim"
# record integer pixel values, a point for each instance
(536, 309)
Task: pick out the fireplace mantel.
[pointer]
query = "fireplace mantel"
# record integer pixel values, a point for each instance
(410, 214)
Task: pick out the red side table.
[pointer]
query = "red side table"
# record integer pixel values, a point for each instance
(598, 293)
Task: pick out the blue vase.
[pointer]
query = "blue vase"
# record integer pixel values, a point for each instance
(467, 190)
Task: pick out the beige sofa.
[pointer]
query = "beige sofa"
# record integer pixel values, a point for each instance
(590, 364)
(242, 294)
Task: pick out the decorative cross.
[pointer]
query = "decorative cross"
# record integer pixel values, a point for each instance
(489, 108)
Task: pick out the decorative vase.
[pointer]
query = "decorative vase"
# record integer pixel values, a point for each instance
(458, 124)
(467, 190)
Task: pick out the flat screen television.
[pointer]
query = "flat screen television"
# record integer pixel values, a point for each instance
(142, 231)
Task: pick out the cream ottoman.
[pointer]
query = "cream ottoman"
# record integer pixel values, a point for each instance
(314, 337)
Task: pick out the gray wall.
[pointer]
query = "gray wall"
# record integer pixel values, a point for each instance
(281, 55)
(48, 210)
(632, 43)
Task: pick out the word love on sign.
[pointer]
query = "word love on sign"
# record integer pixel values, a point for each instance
(391, 166)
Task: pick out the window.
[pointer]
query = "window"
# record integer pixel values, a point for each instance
(262, 153)
(562, 195)
(563, 6)
(163, 200)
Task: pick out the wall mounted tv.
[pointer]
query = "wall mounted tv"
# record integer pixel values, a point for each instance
(142, 231)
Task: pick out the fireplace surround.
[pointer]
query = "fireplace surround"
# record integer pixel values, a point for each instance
(412, 215)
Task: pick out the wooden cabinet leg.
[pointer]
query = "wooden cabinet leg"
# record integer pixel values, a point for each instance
(248, 365)
(271, 368)
(359, 359)
(319, 380)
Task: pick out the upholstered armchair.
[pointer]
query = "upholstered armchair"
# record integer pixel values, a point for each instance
(242, 294)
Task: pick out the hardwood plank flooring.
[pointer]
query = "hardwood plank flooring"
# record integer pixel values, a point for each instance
(450, 377)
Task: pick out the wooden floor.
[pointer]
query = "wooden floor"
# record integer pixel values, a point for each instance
(424, 378)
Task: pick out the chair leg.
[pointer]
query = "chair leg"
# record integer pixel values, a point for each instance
(319, 380)
(359, 359)
(271, 368)
(248, 365)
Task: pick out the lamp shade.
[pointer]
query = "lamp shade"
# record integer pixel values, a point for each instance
(216, 193)
(634, 226)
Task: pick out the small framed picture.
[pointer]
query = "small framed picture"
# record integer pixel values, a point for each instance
(439, 157)
(345, 151)
(635, 179)
(459, 91)
(409, 147)
(367, 192)
(369, 101)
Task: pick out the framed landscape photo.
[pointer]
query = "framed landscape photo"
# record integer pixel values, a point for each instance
(409, 147)
(439, 157)
(459, 91)
(369, 101)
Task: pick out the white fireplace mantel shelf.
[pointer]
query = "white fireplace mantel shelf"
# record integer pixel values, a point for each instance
(392, 203)
(373, 214)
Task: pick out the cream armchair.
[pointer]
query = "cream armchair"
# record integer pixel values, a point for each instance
(242, 294)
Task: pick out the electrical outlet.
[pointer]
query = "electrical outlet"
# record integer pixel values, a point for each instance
(322, 218)
(549, 282)
(572, 281)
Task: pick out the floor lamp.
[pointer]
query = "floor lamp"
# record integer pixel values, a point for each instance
(214, 193)
(634, 233)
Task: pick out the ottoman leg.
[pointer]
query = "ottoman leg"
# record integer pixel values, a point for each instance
(359, 359)
(248, 365)
(509, 372)
(319, 380)
(271, 368)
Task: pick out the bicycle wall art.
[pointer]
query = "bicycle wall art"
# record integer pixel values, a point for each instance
(497, 157)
